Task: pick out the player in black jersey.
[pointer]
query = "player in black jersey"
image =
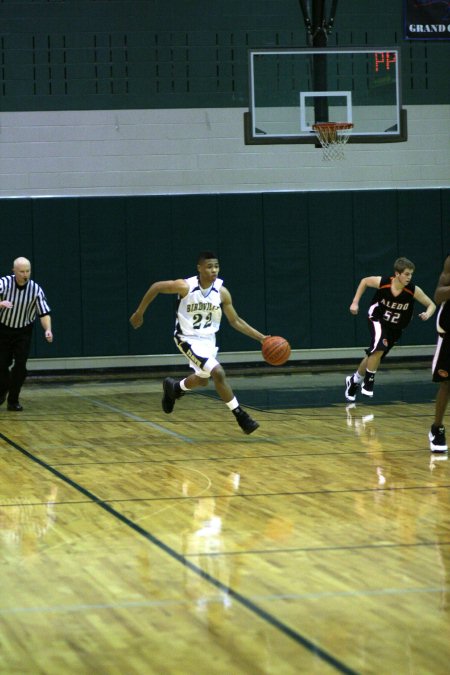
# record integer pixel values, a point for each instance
(390, 312)
(441, 360)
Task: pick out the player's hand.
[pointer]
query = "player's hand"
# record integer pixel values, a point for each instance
(424, 316)
(136, 320)
(354, 308)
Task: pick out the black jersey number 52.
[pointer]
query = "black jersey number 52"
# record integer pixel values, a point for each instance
(392, 317)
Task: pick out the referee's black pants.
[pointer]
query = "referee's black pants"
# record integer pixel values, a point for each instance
(15, 344)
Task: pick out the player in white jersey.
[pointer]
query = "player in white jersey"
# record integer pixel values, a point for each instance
(201, 300)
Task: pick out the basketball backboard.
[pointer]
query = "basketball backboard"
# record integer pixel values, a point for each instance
(292, 89)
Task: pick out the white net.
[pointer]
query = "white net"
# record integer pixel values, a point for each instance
(333, 136)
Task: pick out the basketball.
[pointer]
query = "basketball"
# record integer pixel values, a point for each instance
(276, 350)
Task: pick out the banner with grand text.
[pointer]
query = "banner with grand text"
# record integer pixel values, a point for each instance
(427, 19)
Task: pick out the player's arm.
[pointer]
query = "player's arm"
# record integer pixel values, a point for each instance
(235, 320)
(177, 286)
(442, 291)
(367, 282)
(427, 302)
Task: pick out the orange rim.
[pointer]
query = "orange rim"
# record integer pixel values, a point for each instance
(338, 126)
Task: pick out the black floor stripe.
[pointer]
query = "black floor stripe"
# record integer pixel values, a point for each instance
(245, 602)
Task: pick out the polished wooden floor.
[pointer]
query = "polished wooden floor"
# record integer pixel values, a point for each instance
(133, 542)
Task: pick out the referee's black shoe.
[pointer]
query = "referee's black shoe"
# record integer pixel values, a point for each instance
(15, 407)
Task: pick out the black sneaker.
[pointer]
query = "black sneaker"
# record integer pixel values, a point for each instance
(367, 387)
(170, 394)
(351, 388)
(437, 439)
(247, 424)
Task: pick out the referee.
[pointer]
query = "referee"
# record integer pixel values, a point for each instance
(21, 300)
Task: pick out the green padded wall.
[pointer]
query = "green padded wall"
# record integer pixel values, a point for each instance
(419, 227)
(104, 309)
(292, 262)
(287, 265)
(56, 250)
(149, 258)
(241, 250)
(331, 259)
(445, 217)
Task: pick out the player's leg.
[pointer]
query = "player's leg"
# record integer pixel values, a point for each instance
(174, 389)
(441, 371)
(21, 351)
(223, 388)
(202, 359)
(6, 359)
(441, 403)
(373, 362)
(198, 355)
(353, 382)
(382, 341)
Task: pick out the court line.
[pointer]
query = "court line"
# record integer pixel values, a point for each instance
(298, 493)
(243, 600)
(320, 549)
(213, 600)
(232, 458)
(131, 416)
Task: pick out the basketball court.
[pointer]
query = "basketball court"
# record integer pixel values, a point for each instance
(139, 542)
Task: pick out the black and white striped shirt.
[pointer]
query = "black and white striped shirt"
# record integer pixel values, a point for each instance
(28, 301)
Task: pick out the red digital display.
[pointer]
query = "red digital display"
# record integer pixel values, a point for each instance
(384, 60)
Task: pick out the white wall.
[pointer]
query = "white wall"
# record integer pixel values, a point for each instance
(200, 151)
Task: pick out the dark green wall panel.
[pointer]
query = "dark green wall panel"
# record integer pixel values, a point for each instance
(292, 262)
(103, 276)
(419, 227)
(241, 251)
(287, 265)
(16, 232)
(56, 240)
(194, 229)
(331, 259)
(149, 259)
(445, 206)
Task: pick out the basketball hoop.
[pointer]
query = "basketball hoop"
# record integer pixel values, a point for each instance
(333, 136)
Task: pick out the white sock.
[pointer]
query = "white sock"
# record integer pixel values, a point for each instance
(233, 404)
(183, 385)
(357, 377)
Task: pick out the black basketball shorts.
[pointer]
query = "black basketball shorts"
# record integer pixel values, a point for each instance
(383, 337)
(441, 359)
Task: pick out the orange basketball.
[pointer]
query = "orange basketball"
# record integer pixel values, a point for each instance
(276, 350)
